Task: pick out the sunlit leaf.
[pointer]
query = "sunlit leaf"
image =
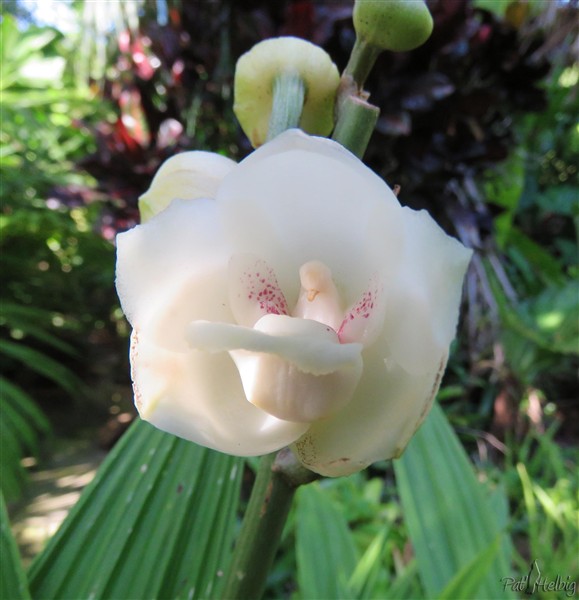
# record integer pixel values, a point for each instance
(548, 320)
(156, 522)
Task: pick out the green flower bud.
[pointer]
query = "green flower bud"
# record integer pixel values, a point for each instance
(398, 25)
(255, 76)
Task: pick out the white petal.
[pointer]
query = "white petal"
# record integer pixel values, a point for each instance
(199, 397)
(387, 408)
(188, 176)
(180, 244)
(423, 296)
(299, 199)
(191, 394)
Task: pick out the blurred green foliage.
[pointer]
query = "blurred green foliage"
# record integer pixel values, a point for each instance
(537, 189)
(57, 270)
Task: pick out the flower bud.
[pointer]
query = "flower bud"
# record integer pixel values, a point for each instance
(398, 25)
(189, 176)
(255, 75)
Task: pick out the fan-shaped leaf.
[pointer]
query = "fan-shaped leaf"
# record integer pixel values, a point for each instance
(157, 522)
(448, 513)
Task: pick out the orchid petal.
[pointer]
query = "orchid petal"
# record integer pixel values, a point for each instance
(388, 406)
(188, 176)
(311, 346)
(364, 320)
(162, 254)
(199, 397)
(423, 294)
(336, 211)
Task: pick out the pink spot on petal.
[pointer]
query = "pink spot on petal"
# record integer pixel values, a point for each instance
(259, 289)
(363, 320)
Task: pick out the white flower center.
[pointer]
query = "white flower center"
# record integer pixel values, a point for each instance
(300, 367)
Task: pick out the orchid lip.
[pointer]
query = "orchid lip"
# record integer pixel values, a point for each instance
(292, 368)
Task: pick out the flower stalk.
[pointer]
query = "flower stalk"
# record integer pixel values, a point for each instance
(356, 122)
(361, 61)
(277, 479)
(289, 93)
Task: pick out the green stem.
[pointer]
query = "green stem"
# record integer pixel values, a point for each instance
(356, 118)
(361, 61)
(289, 93)
(356, 121)
(265, 517)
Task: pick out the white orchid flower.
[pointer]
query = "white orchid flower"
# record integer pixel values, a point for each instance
(288, 299)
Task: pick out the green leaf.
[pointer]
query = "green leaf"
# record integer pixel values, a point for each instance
(449, 516)
(43, 365)
(554, 313)
(156, 522)
(22, 424)
(14, 476)
(23, 404)
(559, 199)
(406, 585)
(35, 323)
(466, 582)
(365, 575)
(548, 320)
(543, 265)
(12, 578)
(19, 47)
(325, 551)
(504, 186)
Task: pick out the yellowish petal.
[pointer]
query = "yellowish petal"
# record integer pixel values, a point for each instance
(188, 176)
